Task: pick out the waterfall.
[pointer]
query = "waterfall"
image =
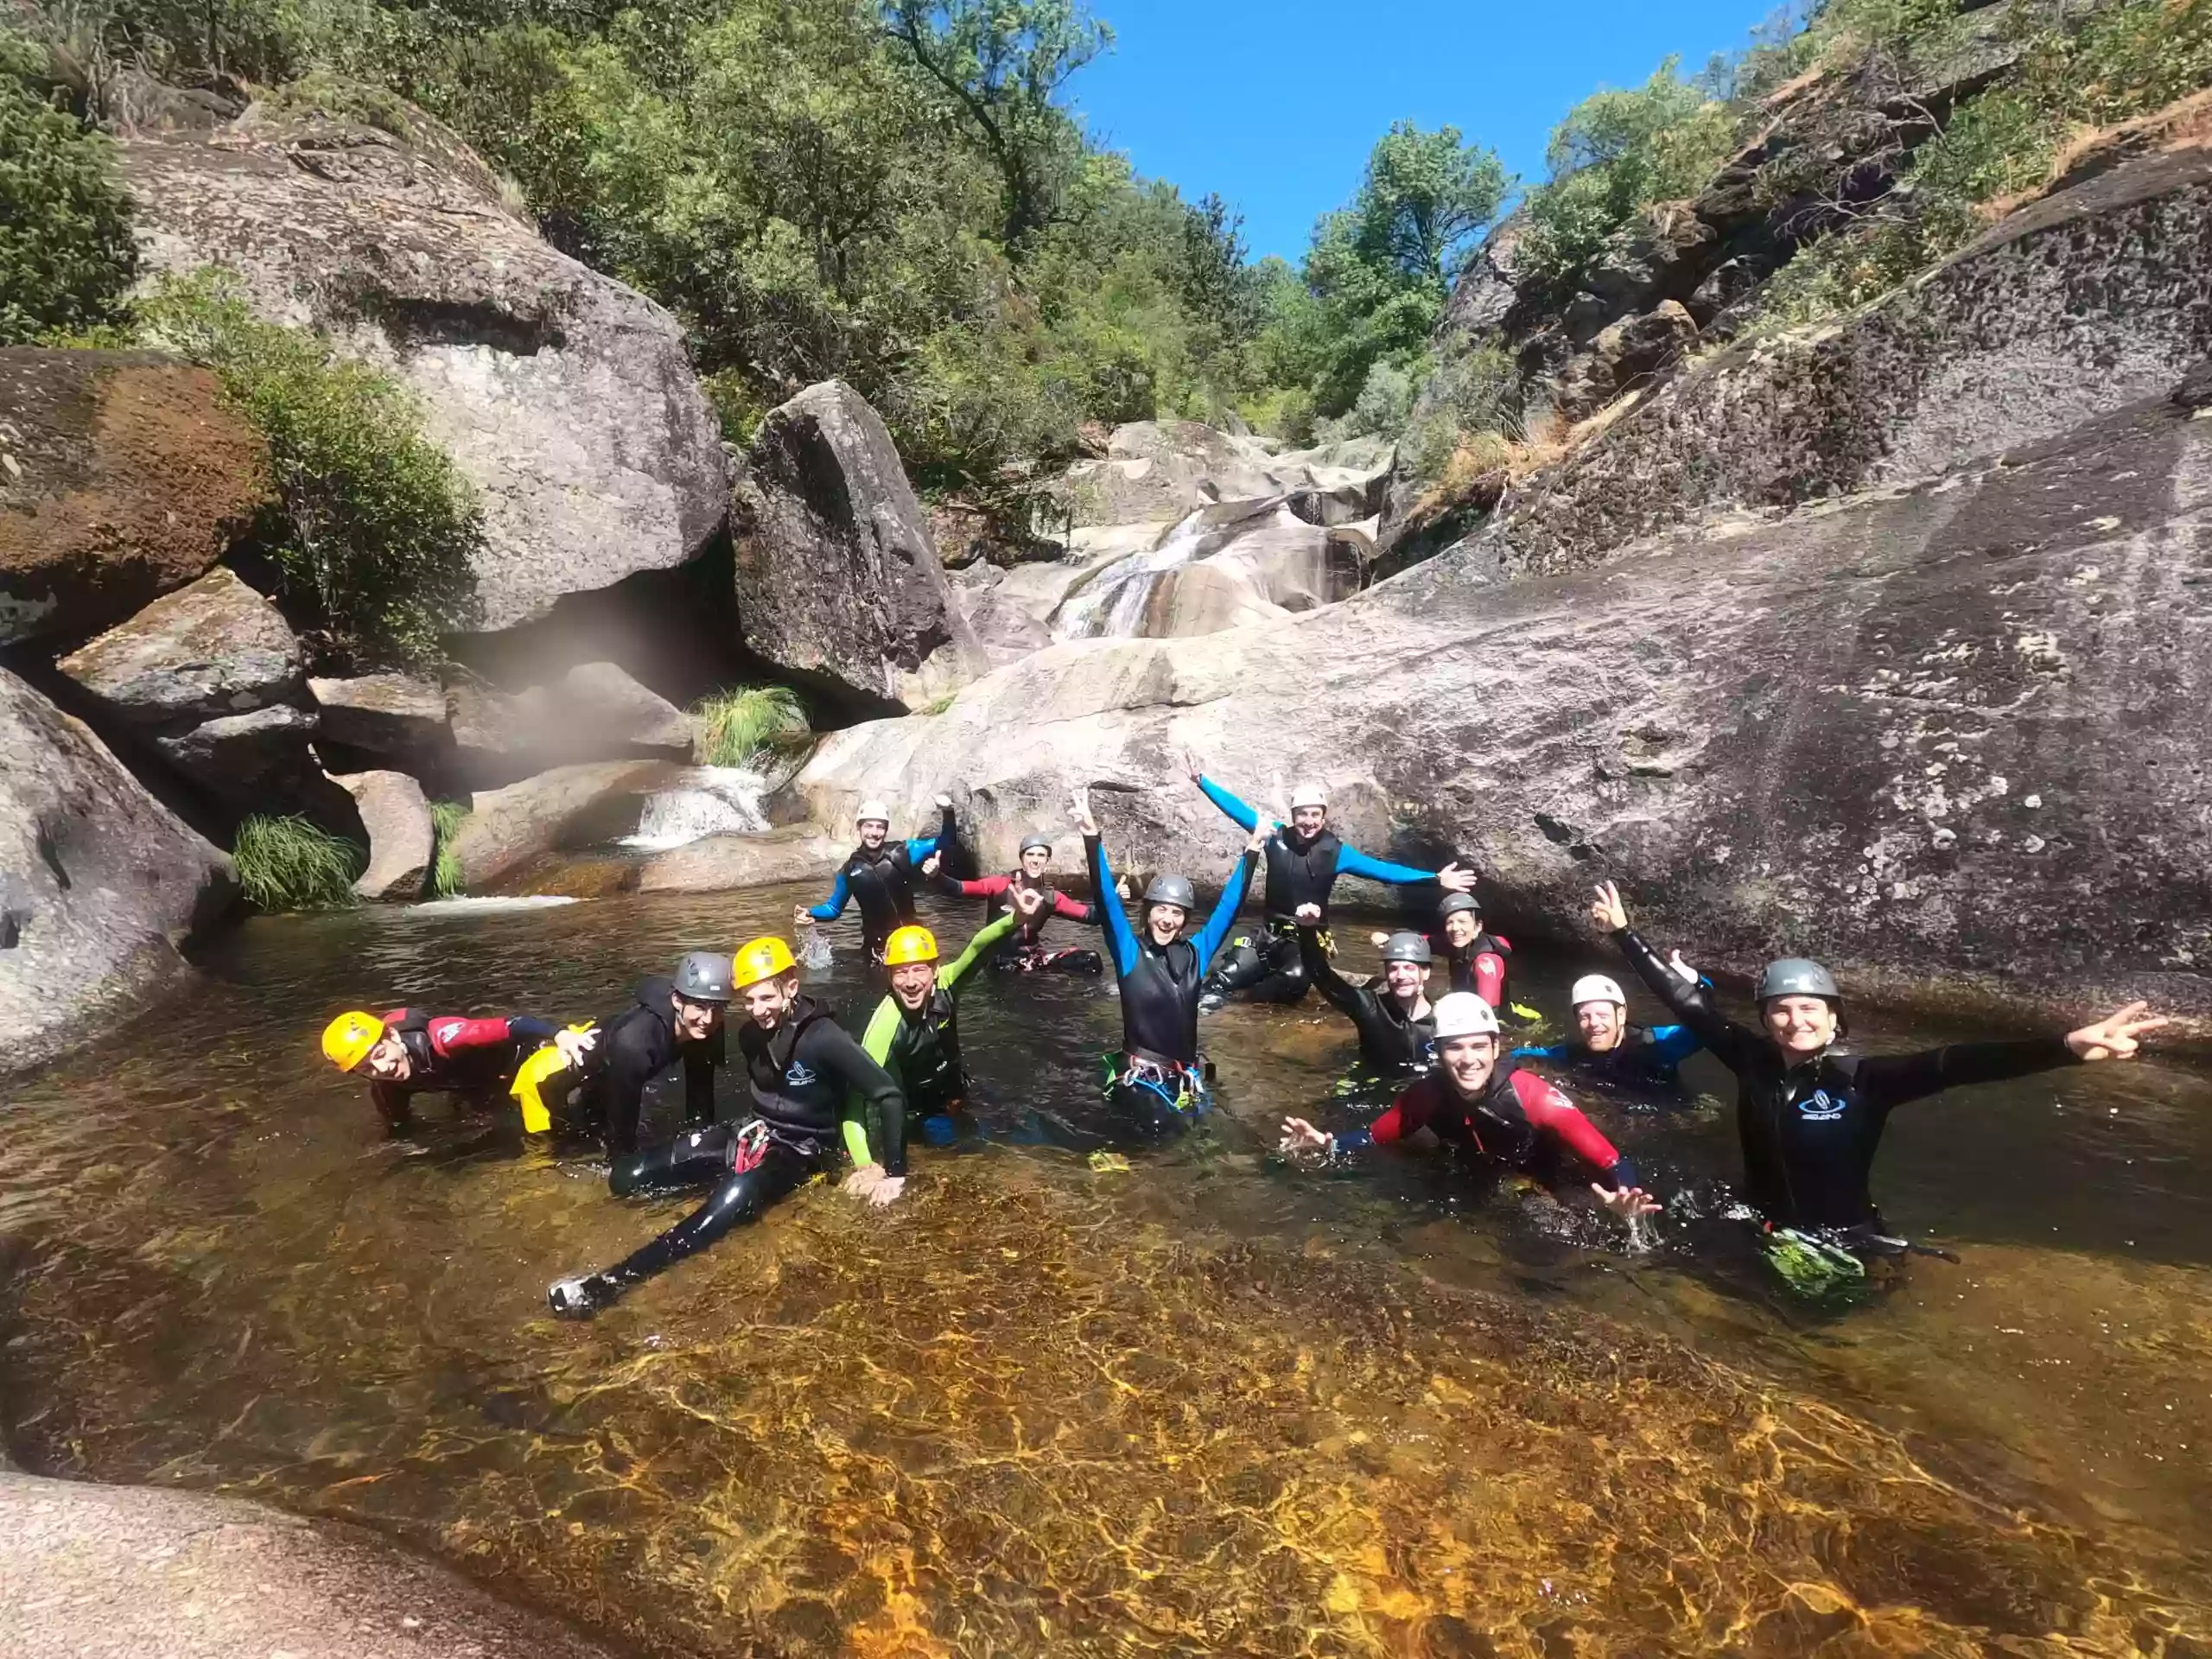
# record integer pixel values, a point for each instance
(706, 801)
(1111, 605)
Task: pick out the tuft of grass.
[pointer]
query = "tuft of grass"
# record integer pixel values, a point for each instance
(447, 881)
(738, 726)
(288, 863)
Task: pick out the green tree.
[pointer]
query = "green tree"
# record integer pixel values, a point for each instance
(1426, 198)
(1004, 63)
(67, 258)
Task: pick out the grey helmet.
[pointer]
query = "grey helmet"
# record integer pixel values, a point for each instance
(1174, 890)
(1796, 976)
(1455, 902)
(1409, 947)
(1041, 841)
(702, 976)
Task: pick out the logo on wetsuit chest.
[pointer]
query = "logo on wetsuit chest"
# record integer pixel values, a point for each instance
(802, 1076)
(1821, 1107)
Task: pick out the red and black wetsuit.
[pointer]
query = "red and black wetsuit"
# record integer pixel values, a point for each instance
(1477, 966)
(1024, 948)
(1518, 1121)
(453, 1054)
(1810, 1128)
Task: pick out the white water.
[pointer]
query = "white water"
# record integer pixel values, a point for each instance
(708, 801)
(518, 901)
(1110, 606)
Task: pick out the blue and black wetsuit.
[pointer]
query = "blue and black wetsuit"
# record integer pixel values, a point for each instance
(1158, 1066)
(883, 882)
(1300, 871)
(1647, 1059)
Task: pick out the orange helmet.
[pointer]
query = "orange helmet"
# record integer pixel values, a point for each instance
(347, 1039)
(765, 957)
(909, 944)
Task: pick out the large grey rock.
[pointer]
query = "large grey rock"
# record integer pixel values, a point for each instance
(838, 584)
(98, 882)
(402, 838)
(387, 714)
(1225, 567)
(614, 713)
(594, 712)
(2074, 306)
(1006, 628)
(565, 396)
(566, 807)
(92, 1571)
(1954, 732)
(213, 648)
(122, 474)
(248, 761)
(719, 863)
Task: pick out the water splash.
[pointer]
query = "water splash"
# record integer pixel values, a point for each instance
(706, 801)
(463, 906)
(1111, 605)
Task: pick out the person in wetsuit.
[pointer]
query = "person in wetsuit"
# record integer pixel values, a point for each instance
(1613, 1051)
(1396, 1024)
(405, 1053)
(1810, 1116)
(670, 1017)
(880, 873)
(1304, 861)
(1026, 952)
(1156, 1083)
(808, 1078)
(1476, 960)
(914, 1034)
(1494, 1113)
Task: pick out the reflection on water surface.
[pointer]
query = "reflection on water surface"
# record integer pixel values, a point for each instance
(1207, 1406)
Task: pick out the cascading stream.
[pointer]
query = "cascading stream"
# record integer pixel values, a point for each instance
(1111, 605)
(708, 801)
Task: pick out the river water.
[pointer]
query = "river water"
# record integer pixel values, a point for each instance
(1207, 1406)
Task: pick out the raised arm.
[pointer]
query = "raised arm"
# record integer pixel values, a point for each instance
(1073, 910)
(1333, 985)
(948, 833)
(1120, 942)
(1224, 911)
(1679, 988)
(1242, 815)
(986, 938)
(1351, 861)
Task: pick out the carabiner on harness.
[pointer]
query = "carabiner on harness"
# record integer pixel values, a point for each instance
(749, 1148)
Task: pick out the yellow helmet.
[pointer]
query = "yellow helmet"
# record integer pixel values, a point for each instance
(765, 957)
(347, 1039)
(909, 944)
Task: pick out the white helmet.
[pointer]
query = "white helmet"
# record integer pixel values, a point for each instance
(1464, 1015)
(875, 809)
(1309, 794)
(1595, 987)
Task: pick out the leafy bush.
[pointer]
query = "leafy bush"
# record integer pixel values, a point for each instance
(67, 258)
(1472, 394)
(1384, 404)
(737, 727)
(1615, 154)
(374, 532)
(447, 881)
(289, 864)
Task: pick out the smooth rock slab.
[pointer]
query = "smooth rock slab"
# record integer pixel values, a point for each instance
(386, 713)
(564, 807)
(137, 1572)
(717, 863)
(122, 474)
(240, 756)
(402, 838)
(98, 882)
(211, 649)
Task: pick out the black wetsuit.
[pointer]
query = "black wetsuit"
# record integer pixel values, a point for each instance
(1810, 1128)
(1388, 1041)
(1267, 961)
(1161, 987)
(807, 1075)
(883, 883)
(454, 1054)
(634, 1047)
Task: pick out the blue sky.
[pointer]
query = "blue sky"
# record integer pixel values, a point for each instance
(1276, 103)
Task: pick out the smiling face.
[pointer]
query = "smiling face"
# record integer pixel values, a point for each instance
(389, 1061)
(1407, 979)
(1164, 922)
(1461, 926)
(912, 982)
(1468, 1062)
(696, 1021)
(1035, 860)
(1800, 1025)
(1602, 1025)
(873, 831)
(767, 1001)
(1309, 821)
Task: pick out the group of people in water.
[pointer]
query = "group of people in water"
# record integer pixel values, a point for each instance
(1809, 1114)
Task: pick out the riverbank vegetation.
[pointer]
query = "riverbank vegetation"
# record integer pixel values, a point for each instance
(744, 726)
(288, 863)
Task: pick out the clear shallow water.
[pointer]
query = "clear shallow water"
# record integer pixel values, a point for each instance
(1208, 1406)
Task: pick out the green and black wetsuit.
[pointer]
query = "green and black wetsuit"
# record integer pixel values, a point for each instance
(920, 1047)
